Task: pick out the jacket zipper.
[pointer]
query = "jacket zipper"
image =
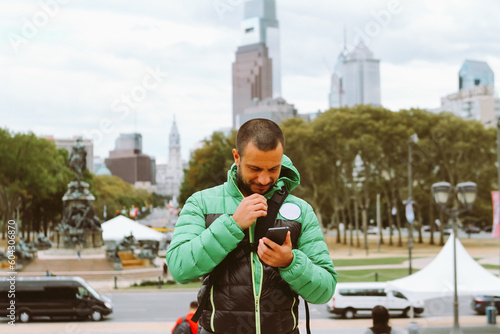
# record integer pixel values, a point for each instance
(213, 309)
(256, 295)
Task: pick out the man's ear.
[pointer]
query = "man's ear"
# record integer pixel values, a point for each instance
(237, 157)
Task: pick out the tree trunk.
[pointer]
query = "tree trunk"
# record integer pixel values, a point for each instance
(419, 226)
(335, 220)
(356, 222)
(364, 216)
(398, 226)
(389, 219)
(4, 223)
(344, 220)
(379, 221)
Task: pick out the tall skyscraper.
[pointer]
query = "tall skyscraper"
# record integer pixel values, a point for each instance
(257, 70)
(336, 96)
(261, 26)
(361, 77)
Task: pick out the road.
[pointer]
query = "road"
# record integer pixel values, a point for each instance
(156, 311)
(169, 305)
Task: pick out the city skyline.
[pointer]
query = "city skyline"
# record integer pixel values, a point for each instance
(74, 68)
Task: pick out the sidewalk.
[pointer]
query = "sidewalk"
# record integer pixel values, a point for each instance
(474, 325)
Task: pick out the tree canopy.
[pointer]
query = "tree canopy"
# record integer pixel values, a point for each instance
(324, 151)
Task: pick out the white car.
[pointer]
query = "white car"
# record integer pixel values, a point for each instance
(349, 298)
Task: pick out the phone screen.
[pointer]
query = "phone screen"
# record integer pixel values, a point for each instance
(277, 234)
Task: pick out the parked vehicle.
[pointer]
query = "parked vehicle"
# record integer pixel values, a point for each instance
(480, 302)
(472, 230)
(349, 298)
(488, 228)
(53, 297)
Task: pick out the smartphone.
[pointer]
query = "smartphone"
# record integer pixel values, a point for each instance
(277, 234)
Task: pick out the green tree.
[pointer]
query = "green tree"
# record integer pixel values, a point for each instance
(208, 165)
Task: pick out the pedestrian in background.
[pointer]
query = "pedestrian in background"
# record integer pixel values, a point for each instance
(165, 270)
(380, 317)
(184, 324)
(78, 248)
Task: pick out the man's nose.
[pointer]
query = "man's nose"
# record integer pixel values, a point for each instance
(264, 178)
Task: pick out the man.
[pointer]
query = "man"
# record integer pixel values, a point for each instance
(222, 229)
(193, 325)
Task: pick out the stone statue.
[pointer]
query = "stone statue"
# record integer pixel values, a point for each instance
(78, 160)
(79, 224)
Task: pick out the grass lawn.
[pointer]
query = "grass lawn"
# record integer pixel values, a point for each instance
(490, 266)
(368, 262)
(370, 275)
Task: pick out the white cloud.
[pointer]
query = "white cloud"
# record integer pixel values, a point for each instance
(65, 78)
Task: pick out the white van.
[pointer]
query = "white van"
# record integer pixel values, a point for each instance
(350, 298)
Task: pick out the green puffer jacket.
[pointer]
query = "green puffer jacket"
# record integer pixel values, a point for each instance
(249, 296)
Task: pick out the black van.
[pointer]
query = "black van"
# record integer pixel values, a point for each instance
(52, 297)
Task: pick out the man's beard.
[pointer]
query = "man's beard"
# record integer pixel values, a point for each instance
(242, 185)
(245, 187)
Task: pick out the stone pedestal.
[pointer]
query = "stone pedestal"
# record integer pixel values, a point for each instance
(79, 224)
(89, 239)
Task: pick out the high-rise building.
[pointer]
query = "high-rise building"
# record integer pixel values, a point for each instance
(260, 25)
(252, 78)
(361, 77)
(476, 97)
(129, 163)
(475, 73)
(336, 96)
(257, 68)
(169, 176)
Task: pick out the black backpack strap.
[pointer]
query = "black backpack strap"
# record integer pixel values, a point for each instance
(273, 207)
(204, 297)
(308, 326)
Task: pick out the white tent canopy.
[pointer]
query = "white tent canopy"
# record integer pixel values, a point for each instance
(119, 227)
(437, 278)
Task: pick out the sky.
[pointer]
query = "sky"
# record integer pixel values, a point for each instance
(99, 68)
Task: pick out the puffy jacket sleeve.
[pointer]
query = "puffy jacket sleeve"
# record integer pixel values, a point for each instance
(311, 273)
(196, 250)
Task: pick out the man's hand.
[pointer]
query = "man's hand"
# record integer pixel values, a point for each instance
(250, 208)
(275, 255)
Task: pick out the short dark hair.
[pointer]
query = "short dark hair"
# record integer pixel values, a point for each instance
(261, 132)
(193, 305)
(380, 317)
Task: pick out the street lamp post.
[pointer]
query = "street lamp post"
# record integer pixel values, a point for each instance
(466, 193)
(410, 216)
